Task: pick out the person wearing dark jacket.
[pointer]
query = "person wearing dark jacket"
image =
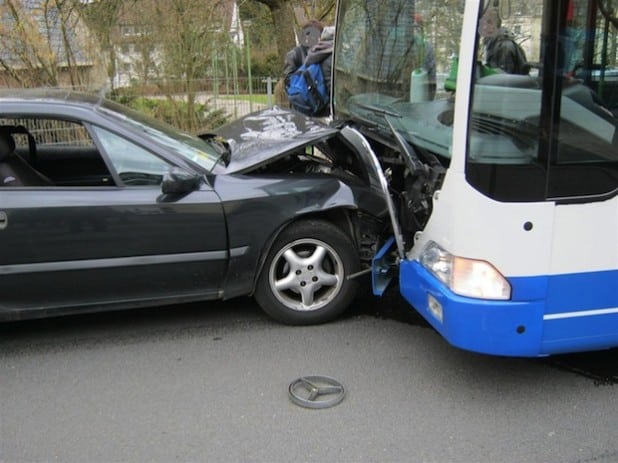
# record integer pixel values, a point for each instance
(501, 50)
(322, 52)
(309, 36)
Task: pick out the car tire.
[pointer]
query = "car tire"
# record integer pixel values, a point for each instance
(304, 280)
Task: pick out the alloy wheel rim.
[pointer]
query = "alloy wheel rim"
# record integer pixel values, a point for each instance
(306, 275)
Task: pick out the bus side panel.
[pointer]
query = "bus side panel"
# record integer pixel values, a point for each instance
(582, 294)
(585, 237)
(582, 312)
(580, 334)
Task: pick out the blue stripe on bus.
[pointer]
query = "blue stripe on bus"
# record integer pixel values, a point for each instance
(569, 292)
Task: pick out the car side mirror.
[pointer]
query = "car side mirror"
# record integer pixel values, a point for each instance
(179, 181)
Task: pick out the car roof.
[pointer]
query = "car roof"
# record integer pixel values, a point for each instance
(48, 94)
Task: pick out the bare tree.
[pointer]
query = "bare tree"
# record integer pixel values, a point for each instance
(176, 39)
(44, 43)
(102, 17)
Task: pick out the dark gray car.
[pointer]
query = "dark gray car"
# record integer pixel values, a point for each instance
(102, 208)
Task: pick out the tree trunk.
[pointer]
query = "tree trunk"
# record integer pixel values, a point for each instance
(283, 20)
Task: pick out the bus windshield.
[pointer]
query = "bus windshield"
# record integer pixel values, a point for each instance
(392, 62)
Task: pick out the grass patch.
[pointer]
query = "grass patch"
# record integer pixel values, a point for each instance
(260, 99)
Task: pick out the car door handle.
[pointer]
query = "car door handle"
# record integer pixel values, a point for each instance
(4, 220)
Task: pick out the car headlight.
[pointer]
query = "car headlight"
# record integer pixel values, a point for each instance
(466, 277)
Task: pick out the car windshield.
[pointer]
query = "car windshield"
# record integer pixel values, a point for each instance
(183, 144)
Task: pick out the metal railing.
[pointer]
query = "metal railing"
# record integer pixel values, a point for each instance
(215, 100)
(233, 98)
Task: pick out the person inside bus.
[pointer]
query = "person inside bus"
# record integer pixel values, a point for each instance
(574, 36)
(501, 53)
(309, 36)
(424, 51)
(501, 50)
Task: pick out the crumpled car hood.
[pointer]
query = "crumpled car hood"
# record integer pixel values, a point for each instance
(261, 137)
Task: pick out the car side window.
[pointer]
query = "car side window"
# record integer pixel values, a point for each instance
(135, 165)
(51, 152)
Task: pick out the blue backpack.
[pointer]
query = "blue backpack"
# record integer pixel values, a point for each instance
(307, 90)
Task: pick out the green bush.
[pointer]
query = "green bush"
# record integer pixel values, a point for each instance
(176, 113)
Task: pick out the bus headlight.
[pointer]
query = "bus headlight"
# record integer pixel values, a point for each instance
(466, 277)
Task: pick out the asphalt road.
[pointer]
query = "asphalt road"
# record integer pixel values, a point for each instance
(210, 383)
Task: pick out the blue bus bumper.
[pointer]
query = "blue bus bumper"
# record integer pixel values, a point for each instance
(519, 327)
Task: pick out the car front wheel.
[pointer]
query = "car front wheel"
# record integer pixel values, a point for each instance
(305, 277)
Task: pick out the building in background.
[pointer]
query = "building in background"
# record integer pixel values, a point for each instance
(51, 47)
(148, 49)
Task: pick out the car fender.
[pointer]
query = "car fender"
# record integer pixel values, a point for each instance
(258, 208)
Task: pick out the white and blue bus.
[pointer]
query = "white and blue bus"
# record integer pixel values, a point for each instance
(504, 183)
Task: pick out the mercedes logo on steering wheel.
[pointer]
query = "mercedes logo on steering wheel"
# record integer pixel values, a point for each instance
(316, 392)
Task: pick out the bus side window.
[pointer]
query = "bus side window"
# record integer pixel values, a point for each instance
(587, 145)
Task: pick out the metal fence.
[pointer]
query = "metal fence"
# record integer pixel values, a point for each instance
(233, 97)
(217, 100)
(47, 132)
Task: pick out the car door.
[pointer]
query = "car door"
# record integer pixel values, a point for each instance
(126, 243)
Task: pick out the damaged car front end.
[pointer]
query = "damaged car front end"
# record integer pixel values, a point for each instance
(326, 178)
